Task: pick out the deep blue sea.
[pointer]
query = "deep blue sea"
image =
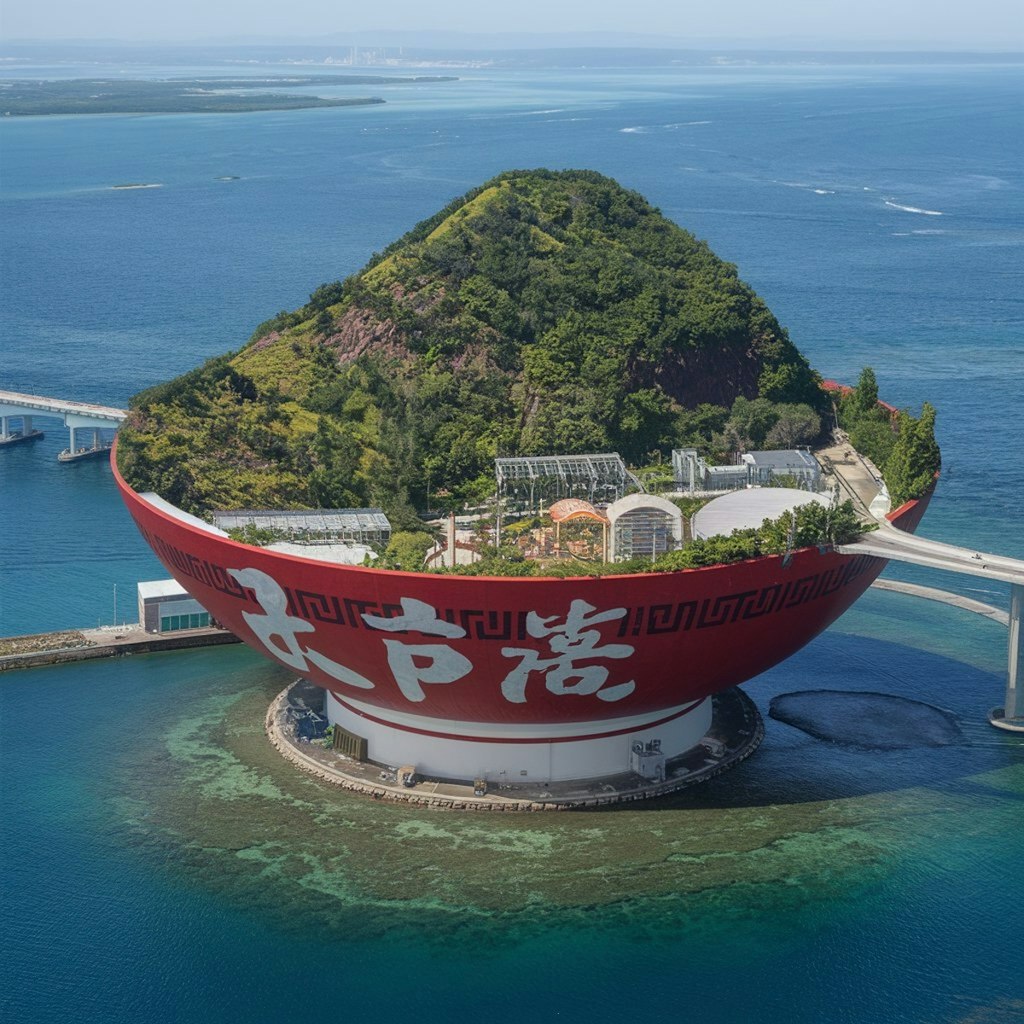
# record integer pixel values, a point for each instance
(159, 861)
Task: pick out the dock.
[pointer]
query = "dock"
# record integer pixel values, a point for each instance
(84, 453)
(72, 645)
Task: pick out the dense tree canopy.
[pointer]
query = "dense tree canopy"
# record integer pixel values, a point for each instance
(902, 447)
(542, 312)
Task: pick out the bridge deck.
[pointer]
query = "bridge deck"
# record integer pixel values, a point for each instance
(39, 404)
(888, 542)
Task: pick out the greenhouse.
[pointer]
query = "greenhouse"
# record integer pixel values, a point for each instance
(366, 526)
(527, 482)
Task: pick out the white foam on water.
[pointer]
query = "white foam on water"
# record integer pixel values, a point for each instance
(806, 186)
(988, 181)
(641, 129)
(913, 209)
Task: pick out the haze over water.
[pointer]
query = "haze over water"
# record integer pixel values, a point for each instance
(159, 859)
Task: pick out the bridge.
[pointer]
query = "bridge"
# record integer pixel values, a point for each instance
(76, 416)
(861, 481)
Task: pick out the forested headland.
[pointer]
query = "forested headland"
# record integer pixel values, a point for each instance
(543, 312)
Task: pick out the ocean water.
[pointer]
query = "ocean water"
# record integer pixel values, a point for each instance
(159, 859)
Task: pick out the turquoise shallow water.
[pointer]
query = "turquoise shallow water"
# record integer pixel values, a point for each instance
(158, 859)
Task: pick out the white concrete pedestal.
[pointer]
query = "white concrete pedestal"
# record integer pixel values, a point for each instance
(517, 754)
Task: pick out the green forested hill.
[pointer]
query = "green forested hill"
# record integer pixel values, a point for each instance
(542, 312)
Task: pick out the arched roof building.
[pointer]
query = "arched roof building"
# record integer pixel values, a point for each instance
(643, 524)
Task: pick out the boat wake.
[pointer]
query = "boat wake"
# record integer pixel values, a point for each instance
(913, 209)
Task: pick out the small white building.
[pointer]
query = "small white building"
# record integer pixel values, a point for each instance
(643, 525)
(165, 606)
(797, 464)
(693, 473)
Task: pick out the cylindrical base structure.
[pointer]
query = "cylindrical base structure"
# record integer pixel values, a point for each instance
(542, 753)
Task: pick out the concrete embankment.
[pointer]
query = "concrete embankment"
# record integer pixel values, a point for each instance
(108, 642)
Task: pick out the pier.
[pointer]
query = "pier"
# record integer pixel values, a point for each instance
(71, 645)
(735, 715)
(16, 407)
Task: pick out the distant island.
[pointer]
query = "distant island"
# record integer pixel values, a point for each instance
(208, 95)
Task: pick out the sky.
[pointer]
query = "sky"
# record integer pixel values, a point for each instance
(916, 24)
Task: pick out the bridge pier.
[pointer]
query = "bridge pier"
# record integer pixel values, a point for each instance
(1013, 706)
(71, 446)
(8, 432)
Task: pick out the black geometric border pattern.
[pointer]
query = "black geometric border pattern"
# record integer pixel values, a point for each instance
(649, 620)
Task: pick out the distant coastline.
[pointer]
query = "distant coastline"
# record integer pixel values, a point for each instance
(401, 52)
(207, 95)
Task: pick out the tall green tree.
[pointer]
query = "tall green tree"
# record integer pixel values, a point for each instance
(915, 457)
(865, 395)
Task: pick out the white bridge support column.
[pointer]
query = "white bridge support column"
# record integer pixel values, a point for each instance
(4, 431)
(71, 447)
(1013, 706)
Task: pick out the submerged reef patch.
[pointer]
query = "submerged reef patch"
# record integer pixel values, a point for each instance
(874, 721)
